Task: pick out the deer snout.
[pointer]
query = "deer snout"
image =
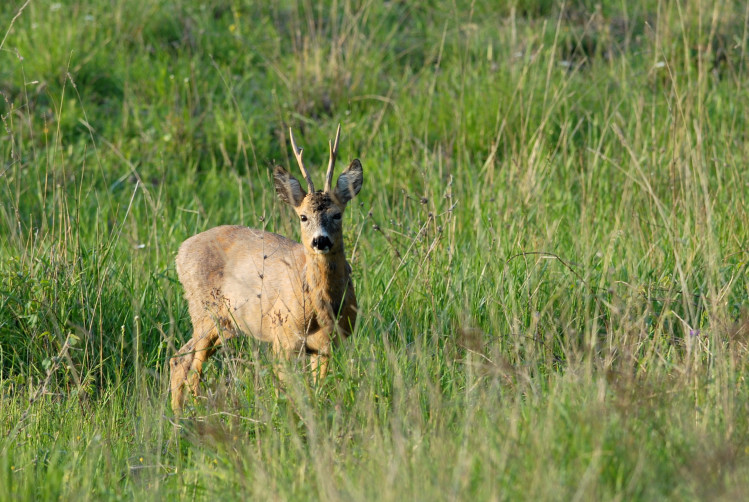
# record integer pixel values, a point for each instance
(321, 243)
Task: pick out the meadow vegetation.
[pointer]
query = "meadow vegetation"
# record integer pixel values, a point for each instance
(550, 250)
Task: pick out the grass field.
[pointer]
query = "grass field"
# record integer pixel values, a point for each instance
(550, 250)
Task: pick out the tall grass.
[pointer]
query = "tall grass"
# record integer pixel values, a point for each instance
(550, 249)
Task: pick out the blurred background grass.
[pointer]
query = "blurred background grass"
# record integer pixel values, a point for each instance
(550, 250)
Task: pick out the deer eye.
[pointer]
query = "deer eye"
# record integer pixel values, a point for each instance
(303, 217)
(337, 216)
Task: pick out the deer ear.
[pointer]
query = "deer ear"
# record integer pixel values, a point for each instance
(349, 182)
(287, 187)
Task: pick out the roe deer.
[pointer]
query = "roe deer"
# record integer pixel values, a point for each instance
(298, 297)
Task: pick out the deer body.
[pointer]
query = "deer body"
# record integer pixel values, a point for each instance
(298, 297)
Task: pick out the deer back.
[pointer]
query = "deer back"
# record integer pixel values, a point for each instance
(251, 277)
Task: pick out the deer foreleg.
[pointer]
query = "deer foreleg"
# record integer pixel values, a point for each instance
(282, 354)
(319, 347)
(319, 365)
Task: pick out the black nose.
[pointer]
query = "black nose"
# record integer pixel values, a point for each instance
(322, 242)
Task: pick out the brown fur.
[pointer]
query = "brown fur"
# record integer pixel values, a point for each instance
(239, 280)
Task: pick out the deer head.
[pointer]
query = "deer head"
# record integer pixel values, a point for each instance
(320, 212)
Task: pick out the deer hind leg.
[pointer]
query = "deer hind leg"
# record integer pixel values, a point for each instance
(187, 365)
(179, 367)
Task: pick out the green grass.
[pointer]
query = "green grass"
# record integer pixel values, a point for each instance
(550, 251)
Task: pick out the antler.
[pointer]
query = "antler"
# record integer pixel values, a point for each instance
(298, 155)
(331, 162)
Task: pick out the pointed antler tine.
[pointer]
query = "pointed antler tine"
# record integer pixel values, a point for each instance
(331, 162)
(298, 154)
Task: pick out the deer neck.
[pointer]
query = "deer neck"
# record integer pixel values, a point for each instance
(327, 273)
(327, 279)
